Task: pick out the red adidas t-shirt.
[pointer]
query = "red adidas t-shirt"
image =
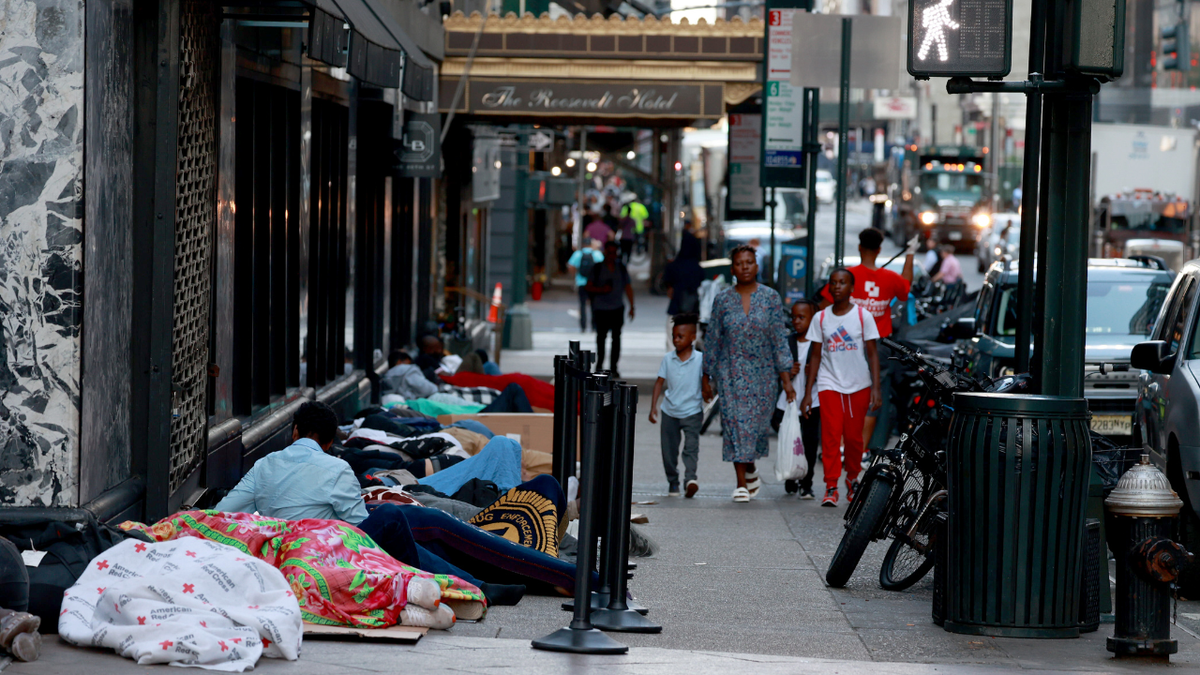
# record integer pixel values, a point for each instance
(874, 291)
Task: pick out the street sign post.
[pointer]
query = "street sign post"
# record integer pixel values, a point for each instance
(782, 131)
(540, 140)
(959, 38)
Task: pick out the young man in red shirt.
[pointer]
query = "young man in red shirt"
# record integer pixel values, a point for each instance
(874, 290)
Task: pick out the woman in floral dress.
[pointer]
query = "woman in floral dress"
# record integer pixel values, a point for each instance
(746, 351)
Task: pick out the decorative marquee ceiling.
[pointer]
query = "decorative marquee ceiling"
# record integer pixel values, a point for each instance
(634, 51)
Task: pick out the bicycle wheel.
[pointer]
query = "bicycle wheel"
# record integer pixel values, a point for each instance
(908, 559)
(875, 496)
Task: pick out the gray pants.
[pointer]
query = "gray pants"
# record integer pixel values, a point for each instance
(671, 428)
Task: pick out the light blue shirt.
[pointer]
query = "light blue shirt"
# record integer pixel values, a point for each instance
(683, 384)
(577, 257)
(298, 482)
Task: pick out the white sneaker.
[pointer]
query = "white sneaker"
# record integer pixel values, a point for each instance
(741, 495)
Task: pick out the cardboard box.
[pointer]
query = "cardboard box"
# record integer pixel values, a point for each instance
(535, 429)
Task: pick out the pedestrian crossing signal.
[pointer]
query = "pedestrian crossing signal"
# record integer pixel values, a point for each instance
(955, 38)
(1175, 47)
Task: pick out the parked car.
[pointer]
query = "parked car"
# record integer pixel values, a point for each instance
(1001, 242)
(826, 186)
(1123, 301)
(1168, 404)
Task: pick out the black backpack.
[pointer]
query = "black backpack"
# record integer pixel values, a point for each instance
(69, 544)
(587, 261)
(478, 492)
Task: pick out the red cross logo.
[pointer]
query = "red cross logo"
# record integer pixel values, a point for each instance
(166, 643)
(117, 607)
(190, 554)
(189, 588)
(100, 591)
(62, 613)
(141, 621)
(102, 565)
(237, 640)
(266, 643)
(289, 594)
(240, 559)
(204, 624)
(140, 548)
(223, 647)
(252, 607)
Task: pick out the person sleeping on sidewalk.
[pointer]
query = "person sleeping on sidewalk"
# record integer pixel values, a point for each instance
(303, 481)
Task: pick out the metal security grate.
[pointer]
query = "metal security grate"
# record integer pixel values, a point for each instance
(195, 213)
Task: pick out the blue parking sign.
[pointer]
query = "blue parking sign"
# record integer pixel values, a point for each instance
(796, 268)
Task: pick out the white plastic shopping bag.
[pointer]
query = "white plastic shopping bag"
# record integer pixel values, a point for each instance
(790, 463)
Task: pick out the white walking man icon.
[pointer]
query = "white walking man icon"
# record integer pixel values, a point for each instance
(935, 20)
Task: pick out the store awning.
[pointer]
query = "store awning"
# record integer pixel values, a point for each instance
(379, 53)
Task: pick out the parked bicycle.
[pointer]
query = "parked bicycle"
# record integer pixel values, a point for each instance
(904, 488)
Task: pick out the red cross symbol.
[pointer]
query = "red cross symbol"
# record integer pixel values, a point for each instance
(100, 591)
(140, 548)
(252, 607)
(266, 643)
(63, 613)
(237, 640)
(141, 621)
(204, 624)
(189, 588)
(240, 559)
(166, 643)
(102, 565)
(117, 607)
(190, 554)
(289, 594)
(223, 647)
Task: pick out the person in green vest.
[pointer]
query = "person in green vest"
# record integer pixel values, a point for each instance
(639, 213)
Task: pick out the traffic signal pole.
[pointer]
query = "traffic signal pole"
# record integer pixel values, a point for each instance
(812, 108)
(1029, 188)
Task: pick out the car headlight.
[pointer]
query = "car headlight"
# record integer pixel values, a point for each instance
(929, 217)
(982, 220)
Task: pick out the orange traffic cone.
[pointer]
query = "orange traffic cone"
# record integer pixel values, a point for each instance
(494, 311)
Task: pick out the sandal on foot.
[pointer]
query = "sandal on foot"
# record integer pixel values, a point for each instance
(753, 483)
(741, 495)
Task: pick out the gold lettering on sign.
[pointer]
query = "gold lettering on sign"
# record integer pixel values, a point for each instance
(502, 97)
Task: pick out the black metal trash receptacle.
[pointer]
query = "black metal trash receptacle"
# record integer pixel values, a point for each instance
(1017, 469)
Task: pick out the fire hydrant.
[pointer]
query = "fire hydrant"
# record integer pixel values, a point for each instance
(1142, 512)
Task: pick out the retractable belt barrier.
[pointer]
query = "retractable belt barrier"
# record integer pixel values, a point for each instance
(603, 412)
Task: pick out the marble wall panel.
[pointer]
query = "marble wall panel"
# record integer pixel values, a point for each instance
(41, 220)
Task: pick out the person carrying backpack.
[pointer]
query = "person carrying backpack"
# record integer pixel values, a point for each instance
(581, 263)
(843, 364)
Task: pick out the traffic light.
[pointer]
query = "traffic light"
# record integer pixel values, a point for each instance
(1175, 52)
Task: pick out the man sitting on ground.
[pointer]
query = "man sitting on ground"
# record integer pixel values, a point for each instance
(405, 379)
(301, 481)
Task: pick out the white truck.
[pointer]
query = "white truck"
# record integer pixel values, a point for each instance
(1144, 184)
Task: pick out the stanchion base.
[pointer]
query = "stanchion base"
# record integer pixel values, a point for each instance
(580, 642)
(600, 601)
(623, 621)
(1122, 646)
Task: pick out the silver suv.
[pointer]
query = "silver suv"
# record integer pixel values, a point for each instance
(1167, 420)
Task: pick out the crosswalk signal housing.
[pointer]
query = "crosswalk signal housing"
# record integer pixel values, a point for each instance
(959, 38)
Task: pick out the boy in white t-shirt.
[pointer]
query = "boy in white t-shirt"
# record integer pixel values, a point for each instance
(803, 312)
(845, 370)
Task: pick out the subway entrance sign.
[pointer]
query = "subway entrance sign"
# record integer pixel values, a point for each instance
(959, 38)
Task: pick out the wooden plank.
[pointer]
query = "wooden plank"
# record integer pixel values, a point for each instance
(395, 633)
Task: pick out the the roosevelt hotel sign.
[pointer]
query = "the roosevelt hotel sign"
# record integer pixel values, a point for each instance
(577, 98)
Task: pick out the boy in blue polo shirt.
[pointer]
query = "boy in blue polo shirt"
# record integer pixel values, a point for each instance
(683, 409)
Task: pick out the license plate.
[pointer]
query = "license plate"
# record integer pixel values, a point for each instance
(955, 236)
(1113, 425)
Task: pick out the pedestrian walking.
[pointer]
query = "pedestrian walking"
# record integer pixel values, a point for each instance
(608, 281)
(682, 409)
(803, 312)
(682, 277)
(628, 232)
(950, 271)
(596, 229)
(875, 289)
(746, 351)
(581, 264)
(844, 371)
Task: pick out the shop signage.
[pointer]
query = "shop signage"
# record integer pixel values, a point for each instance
(895, 108)
(420, 150)
(745, 154)
(575, 98)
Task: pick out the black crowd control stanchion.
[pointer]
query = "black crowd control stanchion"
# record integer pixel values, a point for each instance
(565, 413)
(619, 615)
(580, 636)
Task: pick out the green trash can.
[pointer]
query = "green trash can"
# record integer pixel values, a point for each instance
(1018, 469)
